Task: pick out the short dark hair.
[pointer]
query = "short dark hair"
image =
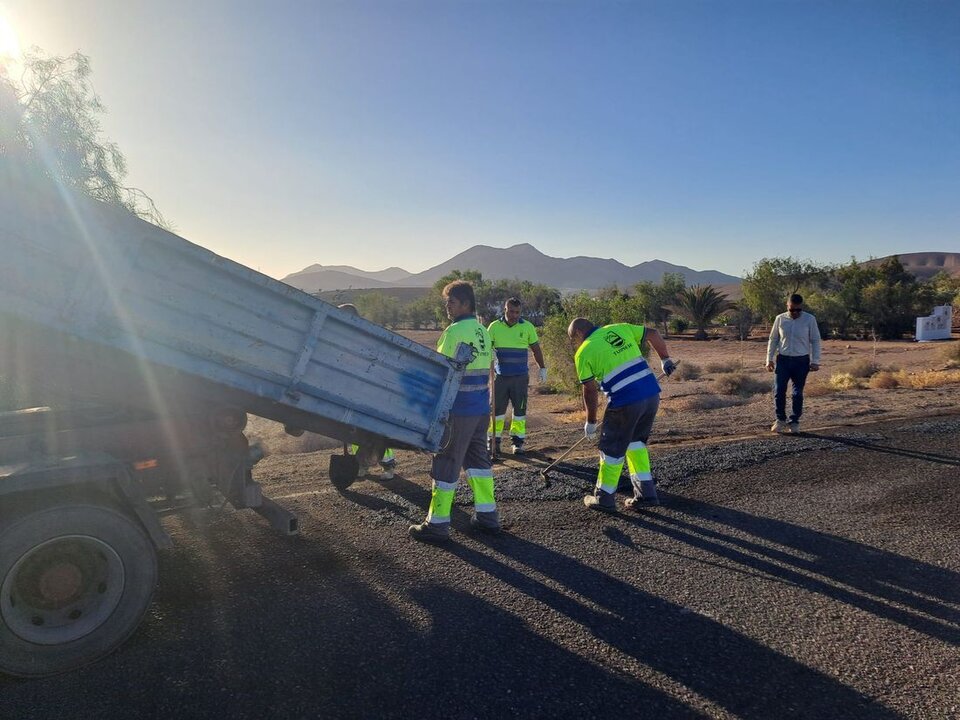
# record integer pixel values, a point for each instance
(463, 291)
(796, 299)
(512, 302)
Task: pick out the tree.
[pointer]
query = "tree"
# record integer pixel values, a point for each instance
(772, 280)
(701, 304)
(655, 301)
(49, 123)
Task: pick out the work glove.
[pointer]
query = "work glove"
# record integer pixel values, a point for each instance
(590, 430)
(543, 375)
(668, 367)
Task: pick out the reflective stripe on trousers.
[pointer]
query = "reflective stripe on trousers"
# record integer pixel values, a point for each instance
(638, 462)
(497, 427)
(609, 476)
(481, 482)
(441, 502)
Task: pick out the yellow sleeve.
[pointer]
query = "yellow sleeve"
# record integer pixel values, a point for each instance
(446, 345)
(534, 338)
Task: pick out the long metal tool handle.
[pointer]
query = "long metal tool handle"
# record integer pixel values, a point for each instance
(569, 450)
(577, 443)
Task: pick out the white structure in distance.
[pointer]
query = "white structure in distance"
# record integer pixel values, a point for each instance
(935, 326)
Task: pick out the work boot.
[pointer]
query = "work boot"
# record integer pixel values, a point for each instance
(387, 474)
(648, 496)
(607, 502)
(780, 426)
(488, 522)
(430, 532)
(518, 449)
(794, 427)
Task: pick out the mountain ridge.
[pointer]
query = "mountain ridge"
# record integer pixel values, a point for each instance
(517, 261)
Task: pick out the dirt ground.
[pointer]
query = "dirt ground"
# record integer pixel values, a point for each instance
(701, 409)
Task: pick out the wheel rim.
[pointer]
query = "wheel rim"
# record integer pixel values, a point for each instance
(62, 589)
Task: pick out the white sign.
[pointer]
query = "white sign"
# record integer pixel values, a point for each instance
(935, 326)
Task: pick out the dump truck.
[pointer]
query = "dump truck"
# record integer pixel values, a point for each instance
(141, 355)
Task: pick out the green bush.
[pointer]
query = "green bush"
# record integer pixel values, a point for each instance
(679, 325)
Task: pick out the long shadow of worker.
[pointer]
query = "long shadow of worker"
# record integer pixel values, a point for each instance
(924, 455)
(293, 632)
(850, 572)
(745, 677)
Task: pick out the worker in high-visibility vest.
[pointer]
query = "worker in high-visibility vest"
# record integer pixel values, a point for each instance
(611, 357)
(513, 337)
(388, 463)
(465, 446)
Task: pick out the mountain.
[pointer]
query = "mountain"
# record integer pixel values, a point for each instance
(318, 280)
(341, 277)
(519, 261)
(526, 262)
(924, 265)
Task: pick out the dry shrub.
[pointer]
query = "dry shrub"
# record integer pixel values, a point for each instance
(861, 368)
(686, 371)
(843, 381)
(819, 389)
(928, 378)
(884, 380)
(728, 366)
(951, 354)
(739, 384)
(698, 403)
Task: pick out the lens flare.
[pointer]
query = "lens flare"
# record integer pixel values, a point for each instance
(9, 43)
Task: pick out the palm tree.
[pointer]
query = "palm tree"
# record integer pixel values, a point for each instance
(701, 304)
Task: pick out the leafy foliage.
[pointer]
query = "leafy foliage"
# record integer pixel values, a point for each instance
(701, 304)
(50, 123)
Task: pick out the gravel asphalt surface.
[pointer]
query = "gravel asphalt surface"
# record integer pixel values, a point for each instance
(812, 576)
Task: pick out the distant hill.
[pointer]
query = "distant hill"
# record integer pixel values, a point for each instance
(519, 261)
(526, 262)
(319, 280)
(924, 265)
(338, 277)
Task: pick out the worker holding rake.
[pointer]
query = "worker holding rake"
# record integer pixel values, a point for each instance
(611, 357)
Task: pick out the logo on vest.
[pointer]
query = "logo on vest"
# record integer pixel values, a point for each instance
(613, 339)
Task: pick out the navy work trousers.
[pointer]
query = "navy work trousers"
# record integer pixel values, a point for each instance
(790, 368)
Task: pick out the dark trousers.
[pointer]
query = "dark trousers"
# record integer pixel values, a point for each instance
(624, 425)
(465, 445)
(790, 368)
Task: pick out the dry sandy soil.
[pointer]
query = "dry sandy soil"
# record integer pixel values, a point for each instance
(699, 410)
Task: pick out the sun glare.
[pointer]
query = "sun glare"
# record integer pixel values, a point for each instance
(9, 43)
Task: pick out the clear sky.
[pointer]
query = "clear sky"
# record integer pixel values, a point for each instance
(707, 134)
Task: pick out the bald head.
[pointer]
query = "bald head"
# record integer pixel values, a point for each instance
(579, 329)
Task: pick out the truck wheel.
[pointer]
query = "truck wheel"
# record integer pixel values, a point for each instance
(75, 581)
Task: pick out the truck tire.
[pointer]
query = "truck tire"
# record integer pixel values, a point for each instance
(75, 581)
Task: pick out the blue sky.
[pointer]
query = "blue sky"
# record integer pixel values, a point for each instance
(707, 134)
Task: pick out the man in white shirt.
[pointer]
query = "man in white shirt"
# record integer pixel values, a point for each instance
(795, 344)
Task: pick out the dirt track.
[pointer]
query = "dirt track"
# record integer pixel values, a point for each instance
(784, 577)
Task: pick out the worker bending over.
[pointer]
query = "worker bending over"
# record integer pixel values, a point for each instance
(612, 356)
